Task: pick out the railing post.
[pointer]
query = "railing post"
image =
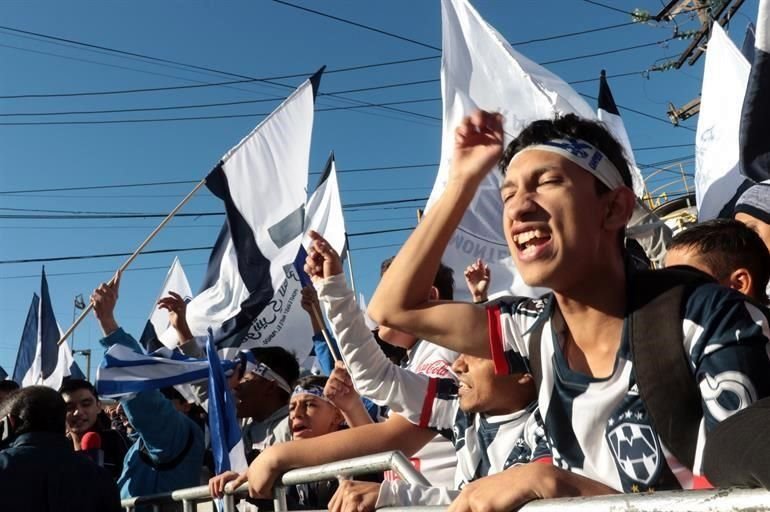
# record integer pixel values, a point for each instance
(188, 505)
(279, 499)
(228, 503)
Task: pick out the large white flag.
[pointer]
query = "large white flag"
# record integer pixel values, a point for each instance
(251, 283)
(157, 331)
(717, 175)
(479, 69)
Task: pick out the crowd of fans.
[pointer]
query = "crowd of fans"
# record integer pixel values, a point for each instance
(497, 402)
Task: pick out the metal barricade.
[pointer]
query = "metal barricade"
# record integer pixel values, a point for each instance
(393, 461)
(713, 500)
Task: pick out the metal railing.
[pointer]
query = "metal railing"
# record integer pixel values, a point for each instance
(714, 500)
(393, 461)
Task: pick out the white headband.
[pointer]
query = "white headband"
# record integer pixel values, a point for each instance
(583, 154)
(312, 390)
(250, 364)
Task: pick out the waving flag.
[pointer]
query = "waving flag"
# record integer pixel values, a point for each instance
(226, 441)
(3, 374)
(324, 210)
(40, 361)
(717, 176)
(609, 114)
(76, 372)
(248, 292)
(156, 332)
(124, 371)
(479, 69)
(755, 117)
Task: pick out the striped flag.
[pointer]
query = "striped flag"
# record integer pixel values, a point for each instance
(479, 69)
(157, 332)
(717, 175)
(755, 117)
(125, 371)
(251, 284)
(40, 360)
(226, 441)
(608, 113)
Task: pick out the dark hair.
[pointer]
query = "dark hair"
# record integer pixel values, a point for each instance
(36, 409)
(72, 385)
(279, 360)
(444, 280)
(312, 380)
(8, 385)
(726, 245)
(571, 126)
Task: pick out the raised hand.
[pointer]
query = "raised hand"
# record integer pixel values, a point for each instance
(340, 391)
(478, 145)
(311, 305)
(477, 277)
(322, 260)
(104, 298)
(177, 314)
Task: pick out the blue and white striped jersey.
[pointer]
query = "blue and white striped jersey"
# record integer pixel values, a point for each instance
(484, 444)
(600, 427)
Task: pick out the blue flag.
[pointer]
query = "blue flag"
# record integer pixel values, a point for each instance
(226, 441)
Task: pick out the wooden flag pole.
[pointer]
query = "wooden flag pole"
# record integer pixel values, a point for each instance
(327, 338)
(134, 256)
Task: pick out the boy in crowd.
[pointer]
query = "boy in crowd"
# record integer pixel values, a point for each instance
(567, 198)
(84, 414)
(168, 453)
(728, 251)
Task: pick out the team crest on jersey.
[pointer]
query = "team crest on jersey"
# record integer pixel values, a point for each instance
(636, 450)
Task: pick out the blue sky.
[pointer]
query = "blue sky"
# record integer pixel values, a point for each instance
(261, 39)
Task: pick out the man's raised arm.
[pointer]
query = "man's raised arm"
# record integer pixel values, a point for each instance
(401, 299)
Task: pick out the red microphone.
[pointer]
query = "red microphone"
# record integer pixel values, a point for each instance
(91, 445)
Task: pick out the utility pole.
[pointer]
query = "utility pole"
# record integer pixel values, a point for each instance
(87, 354)
(78, 304)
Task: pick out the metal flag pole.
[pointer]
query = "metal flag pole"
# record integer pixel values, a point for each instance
(134, 256)
(327, 338)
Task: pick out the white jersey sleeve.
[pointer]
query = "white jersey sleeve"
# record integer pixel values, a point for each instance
(397, 493)
(374, 375)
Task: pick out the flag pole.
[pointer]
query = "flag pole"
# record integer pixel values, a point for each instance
(350, 265)
(134, 256)
(317, 315)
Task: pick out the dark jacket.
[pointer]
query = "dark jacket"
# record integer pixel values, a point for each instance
(40, 472)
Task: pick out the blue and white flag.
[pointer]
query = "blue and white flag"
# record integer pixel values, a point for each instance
(717, 175)
(3, 374)
(608, 113)
(40, 360)
(250, 283)
(124, 371)
(226, 441)
(480, 70)
(755, 117)
(157, 332)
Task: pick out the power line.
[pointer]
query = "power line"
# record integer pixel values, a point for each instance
(359, 25)
(609, 7)
(644, 114)
(110, 271)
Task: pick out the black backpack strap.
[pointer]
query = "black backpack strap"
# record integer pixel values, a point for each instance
(170, 464)
(535, 364)
(662, 367)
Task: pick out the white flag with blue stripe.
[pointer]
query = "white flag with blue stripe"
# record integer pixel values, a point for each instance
(251, 284)
(226, 441)
(157, 332)
(40, 360)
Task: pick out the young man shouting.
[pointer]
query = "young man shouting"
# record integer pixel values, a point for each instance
(567, 198)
